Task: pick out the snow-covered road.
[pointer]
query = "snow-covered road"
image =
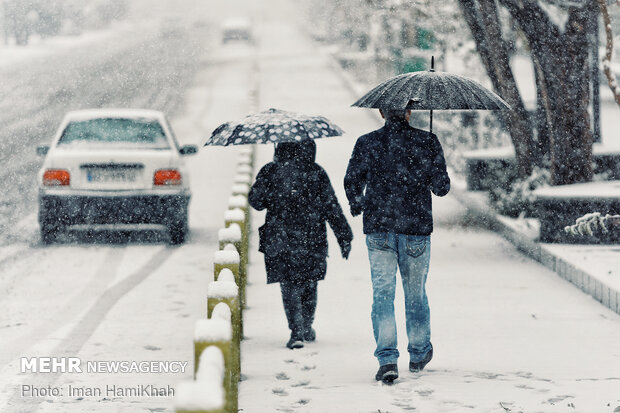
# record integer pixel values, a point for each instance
(107, 295)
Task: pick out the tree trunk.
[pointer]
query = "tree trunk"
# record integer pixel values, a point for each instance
(563, 81)
(543, 134)
(483, 21)
(561, 64)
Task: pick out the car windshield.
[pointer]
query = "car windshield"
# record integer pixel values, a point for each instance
(118, 132)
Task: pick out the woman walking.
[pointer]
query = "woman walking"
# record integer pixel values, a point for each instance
(299, 199)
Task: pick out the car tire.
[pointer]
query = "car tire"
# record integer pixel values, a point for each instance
(178, 231)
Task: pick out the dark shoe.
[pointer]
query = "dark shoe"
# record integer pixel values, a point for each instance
(294, 343)
(310, 335)
(419, 366)
(387, 373)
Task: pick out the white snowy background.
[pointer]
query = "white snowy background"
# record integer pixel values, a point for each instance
(509, 335)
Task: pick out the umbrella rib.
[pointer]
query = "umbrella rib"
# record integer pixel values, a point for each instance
(495, 101)
(463, 91)
(401, 82)
(405, 86)
(474, 91)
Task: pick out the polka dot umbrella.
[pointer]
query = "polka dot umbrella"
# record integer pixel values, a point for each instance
(273, 126)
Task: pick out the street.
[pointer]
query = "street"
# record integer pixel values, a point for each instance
(510, 335)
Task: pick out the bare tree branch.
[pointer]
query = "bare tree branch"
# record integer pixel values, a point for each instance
(532, 19)
(609, 47)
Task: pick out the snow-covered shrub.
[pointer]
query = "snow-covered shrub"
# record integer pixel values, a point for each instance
(463, 131)
(518, 199)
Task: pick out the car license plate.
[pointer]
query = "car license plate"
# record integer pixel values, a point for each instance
(111, 175)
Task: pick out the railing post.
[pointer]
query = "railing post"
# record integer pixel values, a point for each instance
(217, 332)
(206, 394)
(233, 235)
(226, 259)
(225, 291)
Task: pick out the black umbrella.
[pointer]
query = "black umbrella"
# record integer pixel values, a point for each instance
(431, 90)
(273, 126)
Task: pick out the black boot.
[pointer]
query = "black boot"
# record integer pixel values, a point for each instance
(387, 373)
(310, 335)
(294, 343)
(419, 366)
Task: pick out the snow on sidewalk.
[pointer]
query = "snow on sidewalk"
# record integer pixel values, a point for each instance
(509, 335)
(506, 331)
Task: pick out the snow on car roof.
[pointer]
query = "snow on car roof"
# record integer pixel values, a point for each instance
(236, 23)
(87, 114)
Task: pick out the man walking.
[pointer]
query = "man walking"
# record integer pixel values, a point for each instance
(390, 176)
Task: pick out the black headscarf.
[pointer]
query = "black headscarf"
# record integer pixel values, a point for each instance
(304, 151)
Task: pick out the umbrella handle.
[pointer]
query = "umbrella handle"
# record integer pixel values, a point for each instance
(432, 70)
(431, 126)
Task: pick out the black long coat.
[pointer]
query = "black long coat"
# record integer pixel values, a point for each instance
(391, 175)
(299, 200)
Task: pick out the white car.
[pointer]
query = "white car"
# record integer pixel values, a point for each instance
(237, 29)
(109, 166)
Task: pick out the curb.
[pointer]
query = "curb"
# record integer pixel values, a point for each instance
(588, 283)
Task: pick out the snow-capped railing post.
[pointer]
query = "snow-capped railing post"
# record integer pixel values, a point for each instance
(244, 168)
(243, 178)
(240, 202)
(240, 189)
(237, 216)
(206, 394)
(223, 303)
(226, 290)
(233, 235)
(230, 235)
(234, 216)
(246, 155)
(217, 331)
(243, 190)
(217, 339)
(227, 258)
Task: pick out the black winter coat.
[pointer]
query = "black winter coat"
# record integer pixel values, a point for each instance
(390, 176)
(299, 200)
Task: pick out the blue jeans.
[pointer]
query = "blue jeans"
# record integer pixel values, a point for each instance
(411, 254)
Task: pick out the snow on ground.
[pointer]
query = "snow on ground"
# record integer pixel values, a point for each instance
(160, 314)
(600, 261)
(509, 334)
(589, 190)
(113, 296)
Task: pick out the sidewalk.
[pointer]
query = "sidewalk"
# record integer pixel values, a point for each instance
(509, 334)
(594, 269)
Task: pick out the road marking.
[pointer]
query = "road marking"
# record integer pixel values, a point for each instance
(71, 345)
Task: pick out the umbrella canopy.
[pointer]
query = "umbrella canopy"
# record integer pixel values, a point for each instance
(273, 126)
(430, 90)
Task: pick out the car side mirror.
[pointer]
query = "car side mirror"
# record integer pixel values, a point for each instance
(188, 150)
(42, 150)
